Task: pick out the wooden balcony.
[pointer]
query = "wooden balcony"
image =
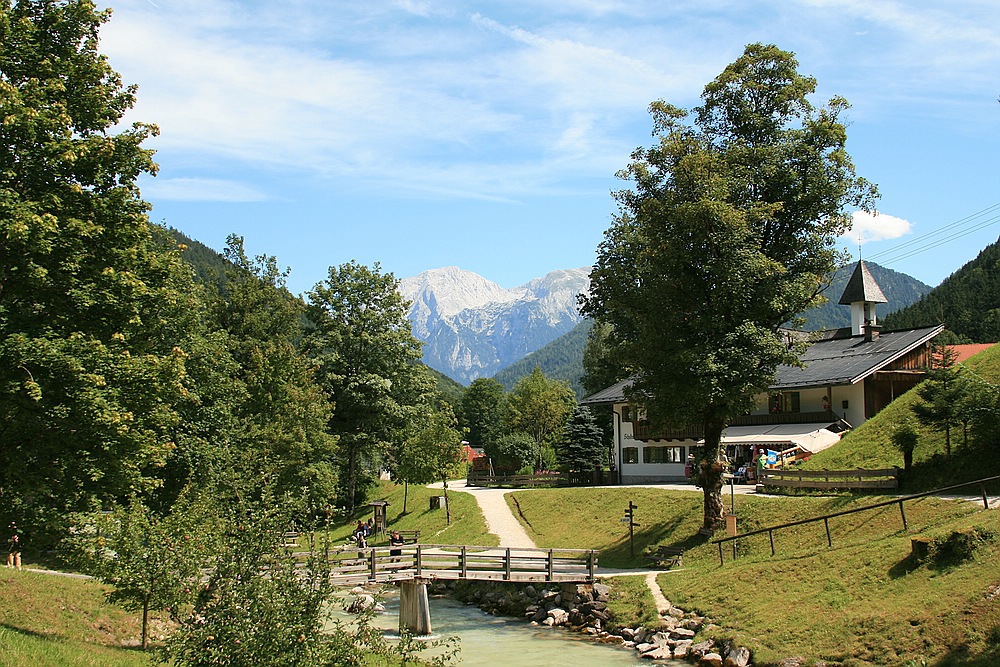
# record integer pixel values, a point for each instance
(642, 430)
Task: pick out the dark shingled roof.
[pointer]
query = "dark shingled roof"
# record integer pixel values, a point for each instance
(847, 360)
(862, 287)
(837, 359)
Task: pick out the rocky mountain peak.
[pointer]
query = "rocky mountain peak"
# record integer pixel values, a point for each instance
(472, 327)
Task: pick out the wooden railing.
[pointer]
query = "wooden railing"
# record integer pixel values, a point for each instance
(826, 517)
(887, 478)
(547, 479)
(429, 561)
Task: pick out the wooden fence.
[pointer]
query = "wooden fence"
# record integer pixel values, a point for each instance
(887, 478)
(548, 479)
(428, 561)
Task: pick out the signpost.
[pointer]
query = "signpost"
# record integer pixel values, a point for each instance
(632, 525)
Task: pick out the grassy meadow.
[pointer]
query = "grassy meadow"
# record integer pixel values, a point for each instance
(863, 601)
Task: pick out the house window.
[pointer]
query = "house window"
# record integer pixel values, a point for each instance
(784, 402)
(627, 413)
(630, 455)
(662, 454)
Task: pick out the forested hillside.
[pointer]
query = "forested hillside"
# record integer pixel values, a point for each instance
(967, 302)
(900, 289)
(562, 359)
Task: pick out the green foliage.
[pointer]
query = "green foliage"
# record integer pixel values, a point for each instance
(484, 411)
(959, 546)
(367, 365)
(968, 301)
(727, 233)
(95, 318)
(942, 393)
(583, 448)
(905, 438)
(541, 408)
(258, 607)
(513, 452)
(153, 562)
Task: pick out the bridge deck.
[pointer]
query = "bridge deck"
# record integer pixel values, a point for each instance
(351, 565)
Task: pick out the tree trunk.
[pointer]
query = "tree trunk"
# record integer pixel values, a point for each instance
(711, 476)
(406, 490)
(145, 622)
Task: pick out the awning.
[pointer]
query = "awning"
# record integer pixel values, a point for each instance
(811, 437)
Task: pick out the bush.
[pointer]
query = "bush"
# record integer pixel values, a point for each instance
(959, 546)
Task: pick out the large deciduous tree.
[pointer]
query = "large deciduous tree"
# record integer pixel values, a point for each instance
(92, 312)
(484, 411)
(367, 362)
(726, 234)
(541, 408)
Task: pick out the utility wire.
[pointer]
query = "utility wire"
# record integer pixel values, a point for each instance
(929, 241)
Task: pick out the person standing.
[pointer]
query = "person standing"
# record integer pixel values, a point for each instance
(14, 545)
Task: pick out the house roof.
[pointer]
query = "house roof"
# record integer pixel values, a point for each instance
(862, 287)
(836, 359)
(963, 352)
(848, 360)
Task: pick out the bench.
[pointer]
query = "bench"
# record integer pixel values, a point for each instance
(409, 536)
(291, 538)
(664, 556)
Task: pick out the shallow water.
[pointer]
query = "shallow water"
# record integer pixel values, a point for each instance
(487, 640)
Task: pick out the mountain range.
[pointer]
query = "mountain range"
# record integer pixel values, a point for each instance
(474, 328)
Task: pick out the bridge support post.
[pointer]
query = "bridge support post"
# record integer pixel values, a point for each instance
(414, 607)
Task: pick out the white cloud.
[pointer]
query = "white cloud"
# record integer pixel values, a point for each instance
(875, 227)
(200, 189)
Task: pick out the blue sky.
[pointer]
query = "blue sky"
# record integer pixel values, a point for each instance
(487, 135)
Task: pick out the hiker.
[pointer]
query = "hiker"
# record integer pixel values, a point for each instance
(395, 544)
(761, 464)
(14, 545)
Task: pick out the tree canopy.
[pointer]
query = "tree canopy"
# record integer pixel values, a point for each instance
(726, 234)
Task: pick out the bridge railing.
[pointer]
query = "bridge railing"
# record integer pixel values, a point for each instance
(434, 561)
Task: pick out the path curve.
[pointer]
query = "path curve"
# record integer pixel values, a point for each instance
(499, 519)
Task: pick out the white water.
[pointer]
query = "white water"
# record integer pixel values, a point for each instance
(491, 641)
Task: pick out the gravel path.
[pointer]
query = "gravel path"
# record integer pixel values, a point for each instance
(499, 519)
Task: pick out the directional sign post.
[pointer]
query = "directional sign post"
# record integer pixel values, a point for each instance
(632, 525)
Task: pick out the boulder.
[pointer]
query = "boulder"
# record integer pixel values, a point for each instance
(739, 656)
(682, 648)
(559, 616)
(702, 648)
(601, 592)
(662, 653)
(711, 660)
(682, 633)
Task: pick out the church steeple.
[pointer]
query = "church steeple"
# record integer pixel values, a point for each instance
(861, 294)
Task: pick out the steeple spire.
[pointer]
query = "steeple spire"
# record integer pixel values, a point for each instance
(861, 294)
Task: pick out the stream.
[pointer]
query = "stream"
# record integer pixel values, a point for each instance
(487, 640)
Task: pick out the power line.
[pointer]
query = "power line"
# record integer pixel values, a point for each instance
(930, 241)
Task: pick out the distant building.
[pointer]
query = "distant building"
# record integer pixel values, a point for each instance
(848, 376)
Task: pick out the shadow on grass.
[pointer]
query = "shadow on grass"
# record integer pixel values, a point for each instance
(48, 636)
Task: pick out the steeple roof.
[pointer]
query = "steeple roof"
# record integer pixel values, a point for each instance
(862, 287)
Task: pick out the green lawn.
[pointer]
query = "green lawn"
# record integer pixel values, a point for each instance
(862, 601)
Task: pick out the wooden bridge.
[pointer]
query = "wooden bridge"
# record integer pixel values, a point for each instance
(418, 564)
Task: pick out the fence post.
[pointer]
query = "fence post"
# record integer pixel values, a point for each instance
(591, 564)
(551, 567)
(986, 501)
(465, 564)
(903, 514)
(770, 535)
(507, 565)
(371, 557)
(419, 561)
(826, 522)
